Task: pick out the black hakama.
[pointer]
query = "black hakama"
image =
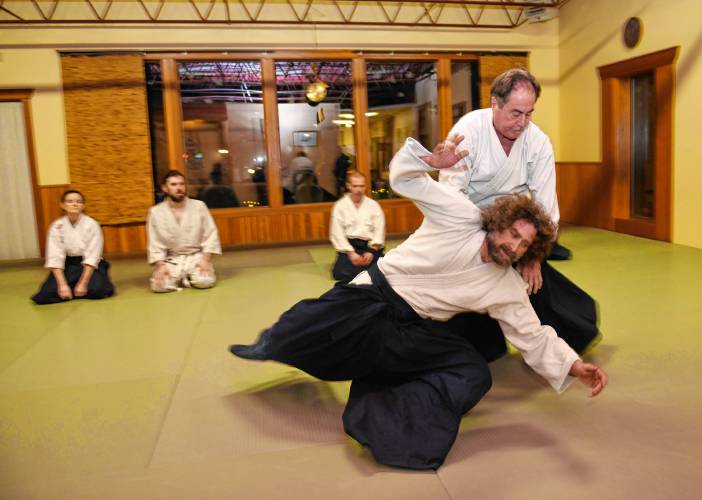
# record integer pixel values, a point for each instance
(559, 303)
(99, 286)
(413, 379)
(343, 270)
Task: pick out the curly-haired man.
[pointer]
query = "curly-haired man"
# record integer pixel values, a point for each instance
(414, 378)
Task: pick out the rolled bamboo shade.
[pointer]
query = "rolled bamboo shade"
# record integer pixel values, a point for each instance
(492, 66)
(109, 153)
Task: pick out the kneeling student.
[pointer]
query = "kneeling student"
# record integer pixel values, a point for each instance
(74, 256)
(357, 230)
(182, 238)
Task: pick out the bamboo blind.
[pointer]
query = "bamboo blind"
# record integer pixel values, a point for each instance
(107, 125)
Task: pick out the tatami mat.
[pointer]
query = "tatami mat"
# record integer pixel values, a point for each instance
(137, 396)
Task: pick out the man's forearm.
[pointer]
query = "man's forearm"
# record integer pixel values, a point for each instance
(60, 277)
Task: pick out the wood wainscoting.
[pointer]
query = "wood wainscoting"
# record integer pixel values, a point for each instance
(241, 226)
(584, 194)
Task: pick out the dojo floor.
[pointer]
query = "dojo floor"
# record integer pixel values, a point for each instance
(136, 397)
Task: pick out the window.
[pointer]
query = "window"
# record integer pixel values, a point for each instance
(642, 159)
(316, 120)
(402, 102)
(225, 155)
(214, 117)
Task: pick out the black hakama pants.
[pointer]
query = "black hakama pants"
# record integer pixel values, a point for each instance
(99, 286)
(560, 304)
(343, 270)
(412, 378)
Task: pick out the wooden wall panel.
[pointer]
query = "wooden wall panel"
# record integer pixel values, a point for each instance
(49, 206)
(583, 194)
(109, 152)
(255, 227)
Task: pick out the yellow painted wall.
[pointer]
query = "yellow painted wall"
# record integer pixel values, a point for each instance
(28, 59)
(591, 36)
(40, 69)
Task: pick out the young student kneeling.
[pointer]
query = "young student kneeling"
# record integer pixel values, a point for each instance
(74, 256)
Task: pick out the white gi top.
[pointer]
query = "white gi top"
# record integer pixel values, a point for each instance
(196, 232)
(437, 273)
(84, 239)
(366, 222)
(488, 173)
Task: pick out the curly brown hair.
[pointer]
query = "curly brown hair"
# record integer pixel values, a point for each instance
(508, 209)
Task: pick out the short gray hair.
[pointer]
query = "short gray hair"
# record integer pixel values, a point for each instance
(505, 83)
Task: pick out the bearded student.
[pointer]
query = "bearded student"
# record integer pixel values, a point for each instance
(413, 378)
(182, 237)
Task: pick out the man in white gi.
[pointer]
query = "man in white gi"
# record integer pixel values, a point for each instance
(182, 239)
(413, 378)
(509, 154)
(357, 229)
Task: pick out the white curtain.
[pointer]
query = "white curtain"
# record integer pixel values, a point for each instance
(18, 234)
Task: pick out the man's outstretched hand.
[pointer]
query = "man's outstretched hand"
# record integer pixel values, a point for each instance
(591, 375)
(444, 154)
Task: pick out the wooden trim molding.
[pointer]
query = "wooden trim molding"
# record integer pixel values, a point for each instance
(638, 64)
(173, 114)
(443, 70)
(361, 129)
(272, 133)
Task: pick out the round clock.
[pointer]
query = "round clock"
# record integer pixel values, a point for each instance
(632, 32)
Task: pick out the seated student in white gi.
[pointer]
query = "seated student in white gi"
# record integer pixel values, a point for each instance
(74, 256)
(357, 229)
(413, 377)
(182, 238)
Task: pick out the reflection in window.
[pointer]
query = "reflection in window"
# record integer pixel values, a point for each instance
(225, 155)
(402, 102)
(315, 110)
(224, 152)
(464, 84)
(642, 156)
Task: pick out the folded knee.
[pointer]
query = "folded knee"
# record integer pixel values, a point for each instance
(202, 281)
(162, 286)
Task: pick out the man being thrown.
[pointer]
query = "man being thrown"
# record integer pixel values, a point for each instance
(357, 229)
(508, 154)
(182, 238)
(414, 378)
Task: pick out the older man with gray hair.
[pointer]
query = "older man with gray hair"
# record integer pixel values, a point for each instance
(508, 154)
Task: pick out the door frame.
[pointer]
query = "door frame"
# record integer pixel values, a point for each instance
(24, 96)
(616, 142)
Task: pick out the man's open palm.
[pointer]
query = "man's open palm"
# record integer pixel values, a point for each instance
(444, 154)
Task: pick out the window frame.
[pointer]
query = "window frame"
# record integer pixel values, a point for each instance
(174, 121)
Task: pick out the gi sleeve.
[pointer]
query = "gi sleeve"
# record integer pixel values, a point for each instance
(55, 248)
(541, 179)
(439, 203)
(337, 234)
(93, 245)
(210, 236)
(156, 249)
(378, 217)
(545, 352)
(458, 176)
